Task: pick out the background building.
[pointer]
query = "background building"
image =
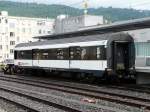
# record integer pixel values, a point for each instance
(64, 23)
(14, 30)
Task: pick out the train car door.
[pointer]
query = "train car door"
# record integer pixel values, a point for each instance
(74, 56)
(121, 56)
(35, 57)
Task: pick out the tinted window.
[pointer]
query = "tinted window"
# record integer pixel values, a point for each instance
(101, 53)
(43, 54)
(51, 54)
(62, 54)
(93, 53)
(75, 53)
(23, 54)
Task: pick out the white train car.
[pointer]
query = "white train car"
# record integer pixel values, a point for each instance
(98, 55)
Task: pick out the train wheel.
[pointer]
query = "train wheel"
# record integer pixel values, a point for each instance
(33, 72)
(113, 79)
(74, 76)
(88, 77)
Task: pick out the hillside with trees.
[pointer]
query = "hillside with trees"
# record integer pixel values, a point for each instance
(51, 11)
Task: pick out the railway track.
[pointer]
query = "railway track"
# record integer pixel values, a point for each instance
(24, 93)
(29, 109)
(135, 88)
(89, 92)
(34, 98)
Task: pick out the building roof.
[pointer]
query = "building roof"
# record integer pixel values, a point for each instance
(73, 39)
(31, 18)
(114, 27)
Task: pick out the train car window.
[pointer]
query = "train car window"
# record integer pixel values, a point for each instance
(35, 54)
(92, 53)
(38, 56)
(28, 54)
(52, 54)
(89, 53)
(43, 54)
(101, 53)
(98, 52)
(71, 53)
(23, 54)
(75, 53)
(78, 53)
(66, 53)
(60, 54)
(17, 52)
(84, 55)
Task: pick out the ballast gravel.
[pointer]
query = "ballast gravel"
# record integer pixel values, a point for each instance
(28, 102)
(6, 106)
(71, 100)
(92, 87)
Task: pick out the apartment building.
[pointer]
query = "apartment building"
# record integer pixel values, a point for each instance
(15, 30)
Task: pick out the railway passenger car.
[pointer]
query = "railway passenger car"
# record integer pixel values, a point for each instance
(96, 55)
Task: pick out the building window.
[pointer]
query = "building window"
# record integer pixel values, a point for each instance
(6, 21)
(142, 49)
(40, 31)
(6, 29)
(7, 55)
(23, 30)
(12, 34)
(12, 42)
(11, 51)
(18, 39)
(18, 30)
(30, 31)
(7, 47)
(1, 47)
(12, 25)
(6, 38)
(49, 32)
(40, 23)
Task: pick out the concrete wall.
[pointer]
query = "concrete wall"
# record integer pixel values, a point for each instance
(69, 24)
(141, 36)
(93, 20)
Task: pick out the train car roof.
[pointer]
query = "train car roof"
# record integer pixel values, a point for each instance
(72, 40)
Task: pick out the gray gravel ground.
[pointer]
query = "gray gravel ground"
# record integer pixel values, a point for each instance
(6, 106)
(58, 96)
(82, 106)
(105, 88)
(25, 101)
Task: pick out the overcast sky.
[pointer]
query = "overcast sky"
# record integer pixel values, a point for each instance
(137, 4)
